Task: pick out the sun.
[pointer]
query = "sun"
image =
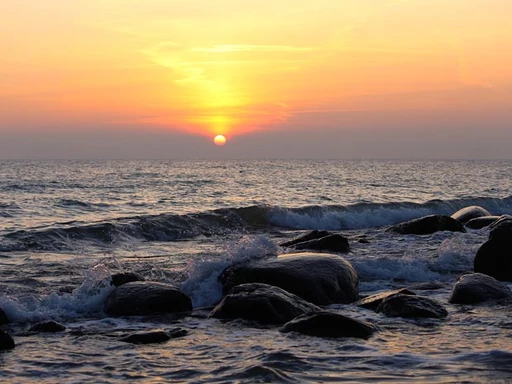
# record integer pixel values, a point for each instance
(219, 140)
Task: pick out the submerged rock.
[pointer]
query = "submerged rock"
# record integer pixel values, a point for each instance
(465, 214)
(154, 336)
(3, 317)
(373, 301)
(316, 234)
(330, 243)
(6, 341)
(411, 306)
(262, 303)
(119, 279)
(428, 225)
(481, 222)
(477, 288)
(319, 278)
(329, 324)
(146, 298)
(47, 326)
(494, 257)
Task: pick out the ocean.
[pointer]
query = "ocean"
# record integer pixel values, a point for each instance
(66, 226)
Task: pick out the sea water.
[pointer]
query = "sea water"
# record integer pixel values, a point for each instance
(66, 226)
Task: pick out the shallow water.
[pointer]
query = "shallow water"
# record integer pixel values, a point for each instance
(65, 226)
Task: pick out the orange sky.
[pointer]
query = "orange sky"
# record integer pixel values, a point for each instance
(233, 67)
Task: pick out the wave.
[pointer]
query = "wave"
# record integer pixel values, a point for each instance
(172, 227)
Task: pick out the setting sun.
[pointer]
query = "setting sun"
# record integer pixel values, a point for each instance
(219, 140)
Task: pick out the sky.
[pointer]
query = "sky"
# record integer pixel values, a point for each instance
(159, 79)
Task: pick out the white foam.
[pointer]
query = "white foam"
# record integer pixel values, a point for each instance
(202, 283)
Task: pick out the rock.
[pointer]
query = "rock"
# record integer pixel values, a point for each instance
(119, 279)
(411, 306)
(465, 214)
(330, 243)
(494, 257)
(306, 237)
(47, 326)
(427, 225)
(373, 301)
(481, 222)
(501, 228)
(477, 288)
(141, 298)
(6, 341)
(3, 317)
(319, 278)
(263, 303)
(329, 324)
(154, 336)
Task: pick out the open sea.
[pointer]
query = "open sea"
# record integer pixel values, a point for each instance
(66, 226)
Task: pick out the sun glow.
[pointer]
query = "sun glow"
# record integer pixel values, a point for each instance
(219, 140)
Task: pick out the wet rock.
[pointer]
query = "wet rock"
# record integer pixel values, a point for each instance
(329, 324)
(481, 222)
(465, 214)
(428, 225)
(263, 303)
(319, 278)
(373, 301)
(154, 336)
(494, 257)
(330, 243)
(411, 307)
(47, 326)
(477, 288)
(140, 298)
(119, 279)
(316, 234)
(6, 341)
(3, 317)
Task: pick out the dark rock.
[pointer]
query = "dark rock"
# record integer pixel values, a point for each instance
(119, 279)
(428, 225)
(465, 214)
(501, 228)
(6, 341)
(140, 298)
(306, 237)
(411, 306)
(154, 336)
(3, 317)
(373, 301)
(494, 258)
(319, 278)
(331, 243)
(263, 303)
(47, 326)
(481, 222)
(329, 324)
(477, 288)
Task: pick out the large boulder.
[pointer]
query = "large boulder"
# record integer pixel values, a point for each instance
(312, 235)
(330, 243)
(428, 225)
(477, 288)
(121, 278)
(141, 298)
(408, 306)
(481, 222)
(329, 324)
(494, 257)
(262, 303)
(6, 341)
(373, 301)
(319, 278)
(3, 317)
(465, 214)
